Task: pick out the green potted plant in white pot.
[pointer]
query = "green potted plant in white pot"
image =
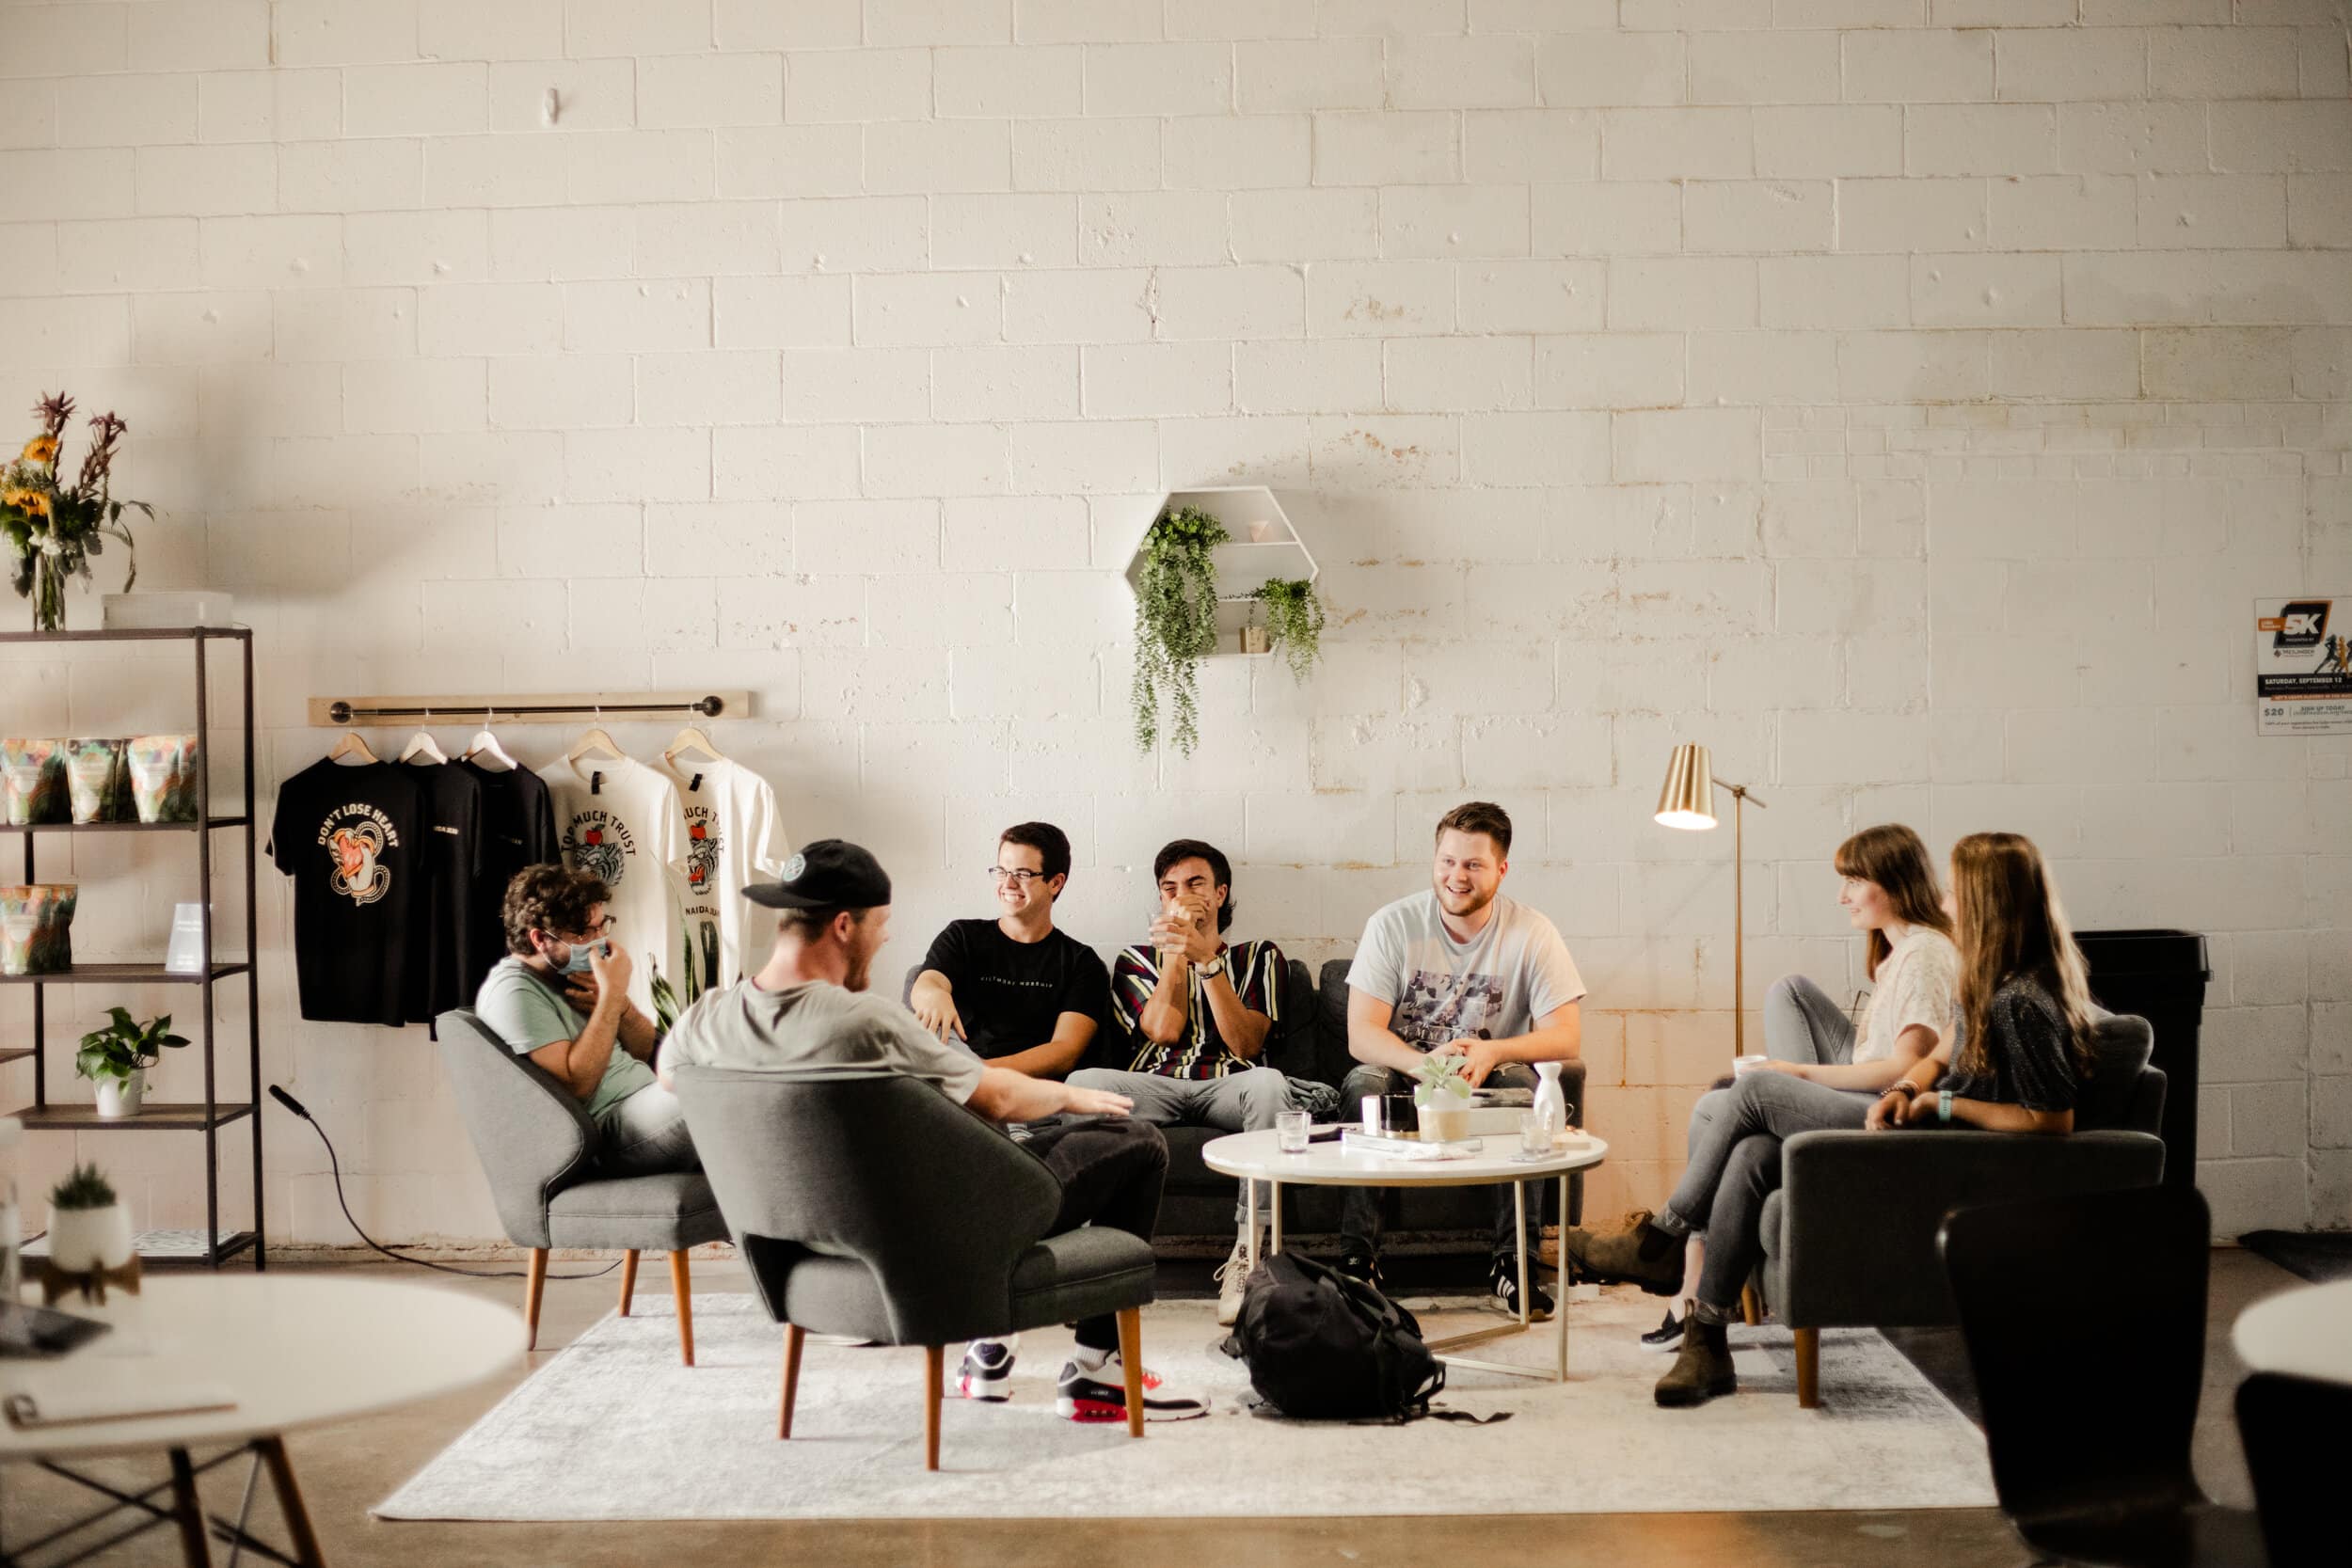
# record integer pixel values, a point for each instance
(89, 1229)
(117, 1057)
(1442, 1097)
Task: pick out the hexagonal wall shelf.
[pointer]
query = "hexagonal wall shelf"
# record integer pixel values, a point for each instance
(1263, 544)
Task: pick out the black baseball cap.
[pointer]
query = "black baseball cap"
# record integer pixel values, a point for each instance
(830, 874)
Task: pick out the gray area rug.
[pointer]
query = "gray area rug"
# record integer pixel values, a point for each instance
(614, 1428)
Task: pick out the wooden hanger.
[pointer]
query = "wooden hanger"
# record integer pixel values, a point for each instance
(353, 744)
(485, 744)
(422, 745)
(692, 739)
(594, 739)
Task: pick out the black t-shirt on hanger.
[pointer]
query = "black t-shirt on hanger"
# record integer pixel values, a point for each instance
(354, 841)
(518, 830)
(437, 978)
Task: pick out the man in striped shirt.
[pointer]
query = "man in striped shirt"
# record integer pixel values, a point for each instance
(1195, 1013)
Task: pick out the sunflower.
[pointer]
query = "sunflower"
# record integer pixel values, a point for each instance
(35, 503)
(41, 448)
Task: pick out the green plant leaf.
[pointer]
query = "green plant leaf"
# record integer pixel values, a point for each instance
(1175, 623)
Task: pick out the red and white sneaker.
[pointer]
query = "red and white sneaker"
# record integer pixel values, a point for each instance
(1100, 1394)
(987, 1371)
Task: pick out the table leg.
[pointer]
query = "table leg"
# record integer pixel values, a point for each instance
(189, 1509)
(1274, 1196)
(1519, 1209)
(281, 1476)
(1560, 1369)
(1249, 1192)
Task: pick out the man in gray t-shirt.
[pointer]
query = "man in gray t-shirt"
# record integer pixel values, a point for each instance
(1458, 969)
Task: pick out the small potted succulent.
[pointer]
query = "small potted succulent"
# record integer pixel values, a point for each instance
(89, 1229)
(1442, 1097)
(117, 1057)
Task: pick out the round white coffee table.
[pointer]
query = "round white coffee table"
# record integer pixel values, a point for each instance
(290, 1351)
(1258, 1157)
(2305, 1332)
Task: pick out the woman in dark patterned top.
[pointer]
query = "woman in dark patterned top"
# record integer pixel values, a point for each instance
(2025, 1004)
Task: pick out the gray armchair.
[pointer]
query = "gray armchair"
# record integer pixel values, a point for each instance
(876, 1206)
(538, 1149)
(1850, 1237)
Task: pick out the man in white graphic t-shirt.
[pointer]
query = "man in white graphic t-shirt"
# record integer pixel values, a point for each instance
(1458, 968)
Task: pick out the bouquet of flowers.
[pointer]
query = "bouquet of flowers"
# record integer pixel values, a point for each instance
(52, 528)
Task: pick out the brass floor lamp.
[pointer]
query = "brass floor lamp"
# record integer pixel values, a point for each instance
(1688, 801)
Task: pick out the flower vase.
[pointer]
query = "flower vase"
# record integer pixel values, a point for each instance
(48, 590)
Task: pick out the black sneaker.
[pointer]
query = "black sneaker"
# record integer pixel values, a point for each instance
(1502, 1282)
(1361, 1265)
(1668, 1335)
(1099, 1395)
(987, 1371)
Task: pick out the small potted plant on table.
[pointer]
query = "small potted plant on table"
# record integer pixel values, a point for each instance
(89, 1238)
(1443, 1097)
(117, 1057)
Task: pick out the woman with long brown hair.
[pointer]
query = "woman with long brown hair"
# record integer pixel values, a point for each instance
(2025, 1004)
(1826, 1074)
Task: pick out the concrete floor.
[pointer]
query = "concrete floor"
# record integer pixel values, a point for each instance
(346, 1468)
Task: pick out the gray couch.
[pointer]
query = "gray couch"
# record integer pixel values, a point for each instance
(1849, 1238)
(1310, 1040)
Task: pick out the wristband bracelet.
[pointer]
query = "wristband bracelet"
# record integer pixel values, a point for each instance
(1900, 1086)
(1944, 1106)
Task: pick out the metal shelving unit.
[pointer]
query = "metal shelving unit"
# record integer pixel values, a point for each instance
(211, 1114)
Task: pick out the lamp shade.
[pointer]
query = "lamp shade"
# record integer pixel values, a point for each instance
(1689, 799)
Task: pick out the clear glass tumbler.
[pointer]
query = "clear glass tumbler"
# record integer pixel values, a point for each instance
(1290, 1132)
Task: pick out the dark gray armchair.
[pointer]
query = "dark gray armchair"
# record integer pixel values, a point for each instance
(1849, 1238)
(538, 1149)
(876, 1206)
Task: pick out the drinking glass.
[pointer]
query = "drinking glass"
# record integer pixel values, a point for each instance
(1534, 1137)
(1290, 1132)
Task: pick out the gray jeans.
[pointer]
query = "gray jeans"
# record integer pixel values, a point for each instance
(1802, 1023)
(1735, 1164)
(1360, 1210)
(1244, 1102)
(645, 1134)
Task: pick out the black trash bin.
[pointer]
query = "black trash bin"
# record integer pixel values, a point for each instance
(2160, 976)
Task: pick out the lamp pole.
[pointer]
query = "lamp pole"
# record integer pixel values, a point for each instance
(1739, 917)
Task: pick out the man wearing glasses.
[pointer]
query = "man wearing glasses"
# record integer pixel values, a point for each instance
(1020, 993)
(561, 998)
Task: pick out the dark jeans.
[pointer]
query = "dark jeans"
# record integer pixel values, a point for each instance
(1360, 1211)
(1111, 1170)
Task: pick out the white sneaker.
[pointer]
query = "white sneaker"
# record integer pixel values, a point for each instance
(1099, 1394)
(987, 1371)
(1232, 1276)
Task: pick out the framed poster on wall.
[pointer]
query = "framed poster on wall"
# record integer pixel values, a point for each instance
(2304, 666)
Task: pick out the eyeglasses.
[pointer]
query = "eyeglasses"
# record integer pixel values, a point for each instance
(1022, 876)
(600, 929)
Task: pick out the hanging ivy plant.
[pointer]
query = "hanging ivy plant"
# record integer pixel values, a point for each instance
(1294, 619)
(1175, 623)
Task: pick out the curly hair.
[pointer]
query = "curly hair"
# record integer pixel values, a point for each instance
(548, 898)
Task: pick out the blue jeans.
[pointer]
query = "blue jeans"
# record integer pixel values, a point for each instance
(645, 1134)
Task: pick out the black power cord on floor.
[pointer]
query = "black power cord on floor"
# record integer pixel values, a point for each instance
(335, 1166)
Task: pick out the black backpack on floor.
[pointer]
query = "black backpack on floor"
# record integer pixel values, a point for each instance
(1321, 1345)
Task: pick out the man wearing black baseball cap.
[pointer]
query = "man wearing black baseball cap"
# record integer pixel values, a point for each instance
(807, 1013)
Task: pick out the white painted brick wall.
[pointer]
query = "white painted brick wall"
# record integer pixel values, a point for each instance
(1907, 400)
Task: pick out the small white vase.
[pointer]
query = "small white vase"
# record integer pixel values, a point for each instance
(119, 1098)
(81, 1240)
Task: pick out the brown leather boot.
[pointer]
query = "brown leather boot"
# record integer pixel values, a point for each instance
(1702, 1368)
(1638, 1254)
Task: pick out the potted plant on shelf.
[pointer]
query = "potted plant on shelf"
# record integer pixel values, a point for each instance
(1175, 622)
(117, 1057)
(1443, 1096)
(52, 528)
(89, 1238)
(1293, 618)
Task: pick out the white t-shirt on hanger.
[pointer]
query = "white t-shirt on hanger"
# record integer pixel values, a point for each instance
(620, 821)
(730, 838)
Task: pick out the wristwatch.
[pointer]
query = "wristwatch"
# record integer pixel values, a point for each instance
(1214, 967)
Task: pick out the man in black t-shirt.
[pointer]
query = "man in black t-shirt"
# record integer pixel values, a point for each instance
(1018, 993)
